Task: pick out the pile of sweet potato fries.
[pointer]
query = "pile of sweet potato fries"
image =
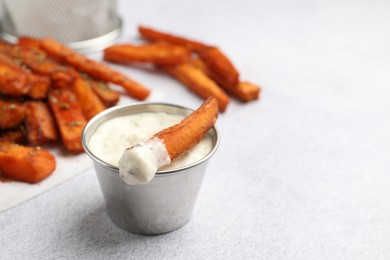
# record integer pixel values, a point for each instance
(47, 94)
(203, 68)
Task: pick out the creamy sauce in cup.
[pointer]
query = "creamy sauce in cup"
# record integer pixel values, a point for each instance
(114, 136)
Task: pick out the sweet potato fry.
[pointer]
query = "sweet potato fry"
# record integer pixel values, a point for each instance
(199, 83)
(220, 66)
(40, 85)
(69, 117)
(108, 96)
(39, 62)
(166, 145)
(13, 82)
(29, 42)
(244, 91)
(12, 114)
(40, 125)
(156, 53)
(89, 102)
(27, 164)
(94, 68)
(9, 62)
(197, 62)
(13, 136)
(157, 36)
(184, 135)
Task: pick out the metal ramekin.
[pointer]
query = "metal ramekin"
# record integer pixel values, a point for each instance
(162, 205)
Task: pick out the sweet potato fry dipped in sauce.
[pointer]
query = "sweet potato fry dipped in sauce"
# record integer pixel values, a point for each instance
(140, 162)
(158, 36)
(156, 53)
(27, 164)
(95, 69)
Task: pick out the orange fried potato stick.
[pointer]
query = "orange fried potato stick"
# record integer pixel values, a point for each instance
(13, 82)
(27, 164)
(199, 83)
(12, 114)
(220, 65)
(12, 136)
(39, 62)
(184, 135)
(29, 42)
(156, 53)
(89, 102)
(109, 96)
(39, 83)
(95, 69)
(40, 125)
(244, 91)
(140, 162)
(157, 36)
(69, 117)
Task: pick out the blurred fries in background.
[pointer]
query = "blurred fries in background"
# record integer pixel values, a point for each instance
(199, 83)
(204, 69)
(158, 53)
(158, 36)
(94, 69)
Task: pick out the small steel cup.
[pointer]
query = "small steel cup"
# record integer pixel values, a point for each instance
(167, 201)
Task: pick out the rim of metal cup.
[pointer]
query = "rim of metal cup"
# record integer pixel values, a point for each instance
(114, 168)
(85, 46)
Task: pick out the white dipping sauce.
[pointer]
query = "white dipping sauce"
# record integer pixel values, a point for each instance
(114, 136)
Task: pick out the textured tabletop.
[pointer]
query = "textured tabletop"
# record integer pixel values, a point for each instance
(304, 173)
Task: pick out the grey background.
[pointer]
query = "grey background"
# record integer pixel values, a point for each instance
(301, 174)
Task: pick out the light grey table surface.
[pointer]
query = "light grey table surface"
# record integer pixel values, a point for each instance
(304, 173)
